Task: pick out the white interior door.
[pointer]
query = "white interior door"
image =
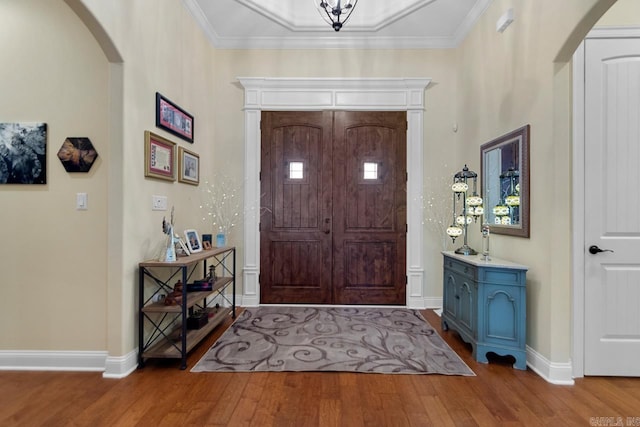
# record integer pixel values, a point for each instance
(612, 207)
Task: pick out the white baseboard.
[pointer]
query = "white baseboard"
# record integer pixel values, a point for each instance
(433, 302)
(553, 372)
(120, 367)
(424, 303)
(69, 361)
(89, 361)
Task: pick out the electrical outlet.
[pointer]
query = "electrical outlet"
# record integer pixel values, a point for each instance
(159, 203)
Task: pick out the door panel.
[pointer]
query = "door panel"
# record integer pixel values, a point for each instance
(295, 255)
(336, 231)
(369, 208)
(612, 201)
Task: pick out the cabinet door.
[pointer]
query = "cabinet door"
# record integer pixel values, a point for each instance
(468, 297)
(451, 302)
(503, 308)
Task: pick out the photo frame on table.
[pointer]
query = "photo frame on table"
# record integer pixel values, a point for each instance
(188, 166)
(184, 247)
(173, 119)
(193, 240)
(159, 157)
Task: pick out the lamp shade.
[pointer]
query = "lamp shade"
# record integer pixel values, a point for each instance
(476, 211)
(459, 187)
(512, 200)
(462, 218)
(500, 210)
(454, 231)
(474, 200)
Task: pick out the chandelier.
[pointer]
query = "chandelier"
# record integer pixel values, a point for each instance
(335, 12)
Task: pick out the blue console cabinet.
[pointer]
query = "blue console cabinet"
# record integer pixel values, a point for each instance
(485, 302)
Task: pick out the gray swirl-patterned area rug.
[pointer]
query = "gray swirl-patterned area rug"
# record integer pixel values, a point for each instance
(379, 340)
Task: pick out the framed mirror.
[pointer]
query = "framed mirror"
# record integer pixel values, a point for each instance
(504, 171)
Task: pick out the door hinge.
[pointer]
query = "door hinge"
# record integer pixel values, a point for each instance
(406, 280)
(260, 176)
(259, 226)
(406, 228)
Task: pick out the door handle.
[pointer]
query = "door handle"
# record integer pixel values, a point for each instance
(327, 228)
(593, 249)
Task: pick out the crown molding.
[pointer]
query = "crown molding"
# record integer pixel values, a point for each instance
(345, 40)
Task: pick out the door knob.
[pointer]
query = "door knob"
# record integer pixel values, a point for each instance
(593, 249)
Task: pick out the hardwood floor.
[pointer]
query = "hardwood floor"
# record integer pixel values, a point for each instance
(161, 394)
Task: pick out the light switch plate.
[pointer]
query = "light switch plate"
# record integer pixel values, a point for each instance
(82, 203)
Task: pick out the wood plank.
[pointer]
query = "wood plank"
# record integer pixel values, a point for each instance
(185, 261)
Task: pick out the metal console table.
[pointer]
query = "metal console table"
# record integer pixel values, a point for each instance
(162, 329)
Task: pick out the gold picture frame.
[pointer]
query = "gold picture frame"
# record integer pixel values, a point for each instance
(159, 157)
(188, 167)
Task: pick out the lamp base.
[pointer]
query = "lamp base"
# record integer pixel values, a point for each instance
(466, 250)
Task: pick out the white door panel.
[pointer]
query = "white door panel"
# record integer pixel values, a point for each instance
(612, 207)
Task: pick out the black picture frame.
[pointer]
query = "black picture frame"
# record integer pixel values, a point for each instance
(23, 153)
(174, 119)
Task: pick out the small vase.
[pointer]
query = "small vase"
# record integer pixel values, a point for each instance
(220, 240)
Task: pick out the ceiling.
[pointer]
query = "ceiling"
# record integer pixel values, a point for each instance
(297, 24)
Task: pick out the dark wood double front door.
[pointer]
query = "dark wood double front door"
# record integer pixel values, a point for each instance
(333, 207)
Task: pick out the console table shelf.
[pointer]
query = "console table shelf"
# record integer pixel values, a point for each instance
(170, 347)
(162, 329)
(485, 302)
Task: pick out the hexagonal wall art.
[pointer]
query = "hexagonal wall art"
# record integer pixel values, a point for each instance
(77, 154)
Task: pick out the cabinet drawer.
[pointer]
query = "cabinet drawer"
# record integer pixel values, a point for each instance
(503, 276)
(461, 268)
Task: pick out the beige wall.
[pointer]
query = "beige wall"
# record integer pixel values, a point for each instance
(52, 257)
(622, 13)
(492, 84)
(63, 290)
(439, 65)
(162, 50)
(507, 80)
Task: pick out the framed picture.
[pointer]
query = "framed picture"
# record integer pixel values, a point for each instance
(184, 247)
(193, 240)
(159, 157)
(188, 166)
(173, 119)
(23, 153)
(77, 154)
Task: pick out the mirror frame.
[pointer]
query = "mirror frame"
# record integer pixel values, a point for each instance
(523, 133)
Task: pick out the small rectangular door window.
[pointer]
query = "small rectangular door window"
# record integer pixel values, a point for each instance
(296, 170)
(370, 171)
